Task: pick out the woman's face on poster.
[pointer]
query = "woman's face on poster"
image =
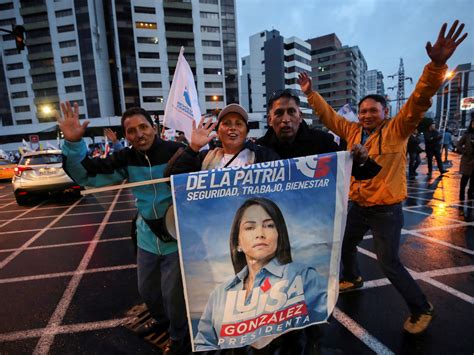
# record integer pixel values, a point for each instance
(258, 235)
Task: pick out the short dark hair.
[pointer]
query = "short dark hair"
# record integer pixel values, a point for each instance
(132, 111)
(375, 97)
(283, 252)
(277, 94)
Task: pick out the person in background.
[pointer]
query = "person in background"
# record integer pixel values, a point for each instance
(112, 136)
(376, 204)
(447, 142)
(466, 147)
(414, 150)
(433, 148)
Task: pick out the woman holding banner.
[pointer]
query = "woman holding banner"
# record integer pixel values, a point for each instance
(232, 130)
(269, 294)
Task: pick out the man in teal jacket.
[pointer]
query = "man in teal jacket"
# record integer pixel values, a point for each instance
(159, 276)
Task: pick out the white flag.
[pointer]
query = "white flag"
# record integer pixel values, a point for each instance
(182, 106)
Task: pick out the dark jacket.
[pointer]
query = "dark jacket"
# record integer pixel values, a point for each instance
(311, 141)
(129, 163)
(413, 146)
(432, 140)
(187, 160)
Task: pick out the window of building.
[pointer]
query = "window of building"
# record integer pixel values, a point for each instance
(46, 92)
(25, 108)
(210, 29)
(69, 59)
(43, 77)
(152, 98)
(324, 59)
(215, 71)
(151, 84)
(144, 10)
(66, 44)
(44, 32)
(12, 51)
(149, 55)
(14, 66)
(150, 70)
(66, 28)
(148, 40)
(71, 73)
(211, 57)
(214, 2)
(19, 80)
(20, 122)
(211, 98)
(7, 6)
(211, 43)
(73, 88)
(64, 13)
(210, 85)
(146, 25)
(324, 77)
(209, 15)
(20, 94)
(41, 63)
(7, 22)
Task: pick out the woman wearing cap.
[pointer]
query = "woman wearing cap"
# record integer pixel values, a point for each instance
(232, 130)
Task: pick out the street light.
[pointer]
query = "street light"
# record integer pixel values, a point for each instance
(46, 109)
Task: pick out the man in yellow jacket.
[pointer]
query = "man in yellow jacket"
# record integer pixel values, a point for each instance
(376, 204)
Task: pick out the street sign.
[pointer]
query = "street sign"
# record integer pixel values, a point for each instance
(34, 138)
(467, 103)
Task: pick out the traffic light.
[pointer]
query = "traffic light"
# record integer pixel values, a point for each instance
(19, 33)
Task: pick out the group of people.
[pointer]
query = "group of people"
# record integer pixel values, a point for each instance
(378, 187)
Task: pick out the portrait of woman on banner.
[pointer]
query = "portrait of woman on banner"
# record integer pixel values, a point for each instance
(269, 294)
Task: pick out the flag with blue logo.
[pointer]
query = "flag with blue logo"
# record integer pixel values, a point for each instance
(260, 246)
(182, 107)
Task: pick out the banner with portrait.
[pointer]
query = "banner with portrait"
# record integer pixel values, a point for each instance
(260, 247)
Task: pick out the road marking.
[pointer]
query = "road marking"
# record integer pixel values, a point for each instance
(44, 344)
(359, 332)
(8, 204)
(62, 329)
(9, 258)
(436, 216)
(84, 204)
(434, 240)
(21, 215)
(66, 227)
(67, 273)
(68, 244)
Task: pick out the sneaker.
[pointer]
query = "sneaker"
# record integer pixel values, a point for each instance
(178, 347)
(417, 323)
(345, 285)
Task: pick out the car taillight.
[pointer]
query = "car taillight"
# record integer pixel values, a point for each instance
(20, 169)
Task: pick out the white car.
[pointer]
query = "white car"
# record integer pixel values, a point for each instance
(41, 172)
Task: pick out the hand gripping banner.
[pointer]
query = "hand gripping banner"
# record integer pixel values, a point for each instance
(260, 247)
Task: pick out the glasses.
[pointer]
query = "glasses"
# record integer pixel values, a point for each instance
(288, 93)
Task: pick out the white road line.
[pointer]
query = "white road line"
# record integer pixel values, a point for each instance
(5, 195)
(67, 244)
(442, 217)
(63, 329)
(22, 214)
(67, 273)
(359, 332)
(8, 204)
(9, 258)
(44, 344)
(84, 204)
(424, 276)
(437, 228)
(67, 227)
(434, 240)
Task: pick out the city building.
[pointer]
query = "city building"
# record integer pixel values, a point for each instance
(375, 82)
(273, 64)
(458, 84)
(338, 72)
(109, 55)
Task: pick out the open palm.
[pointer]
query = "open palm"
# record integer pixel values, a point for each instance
(445, 45)
(69, 123)
(201, 135)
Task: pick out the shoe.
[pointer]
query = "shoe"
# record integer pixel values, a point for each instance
(152, 326)
(417, 323)
(345, 285)
(178, 347)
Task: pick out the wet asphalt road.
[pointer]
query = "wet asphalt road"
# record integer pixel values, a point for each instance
(68, 276)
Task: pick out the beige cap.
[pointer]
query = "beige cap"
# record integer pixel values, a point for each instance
(234, 108)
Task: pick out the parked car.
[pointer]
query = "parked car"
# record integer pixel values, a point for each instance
(41, 172)
(6, 169)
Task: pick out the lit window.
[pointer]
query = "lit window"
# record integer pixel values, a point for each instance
(146, 25)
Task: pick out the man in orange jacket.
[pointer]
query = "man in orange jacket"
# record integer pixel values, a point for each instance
(376, 204)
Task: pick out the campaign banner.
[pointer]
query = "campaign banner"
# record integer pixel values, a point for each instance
(260, 247)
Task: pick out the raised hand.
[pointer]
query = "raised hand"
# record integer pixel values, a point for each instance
(111, 135)
(69, 123)
(305, 83)
(445, 46)
(201, 135)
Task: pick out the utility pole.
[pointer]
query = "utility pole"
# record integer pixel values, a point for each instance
(401, 85)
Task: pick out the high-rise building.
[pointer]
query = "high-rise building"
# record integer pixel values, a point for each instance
(338, 72)
(109, 55)
(448, 97)
(273, 64)
(375, 82)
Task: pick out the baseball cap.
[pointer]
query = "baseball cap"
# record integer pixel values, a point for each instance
(233, 108)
